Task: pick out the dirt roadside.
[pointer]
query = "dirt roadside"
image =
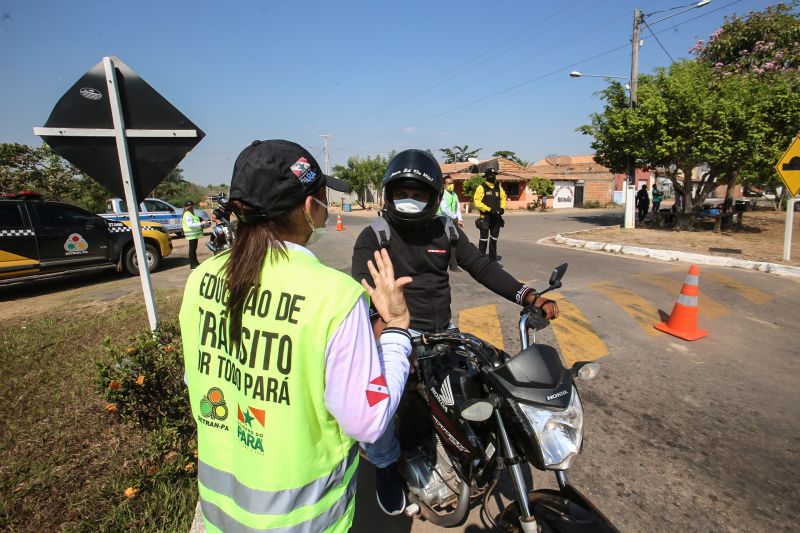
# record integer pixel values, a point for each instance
(760, 238)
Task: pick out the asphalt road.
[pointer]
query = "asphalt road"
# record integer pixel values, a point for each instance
(679, 436)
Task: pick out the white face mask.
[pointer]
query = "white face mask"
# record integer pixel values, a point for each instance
(316, 233)
(407, 205)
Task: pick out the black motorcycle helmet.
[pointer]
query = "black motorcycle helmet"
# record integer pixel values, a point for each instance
(414, 169)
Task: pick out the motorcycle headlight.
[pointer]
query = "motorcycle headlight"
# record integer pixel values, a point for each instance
(559, 432)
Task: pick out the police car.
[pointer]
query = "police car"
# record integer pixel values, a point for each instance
(153, 210)
(40, 238)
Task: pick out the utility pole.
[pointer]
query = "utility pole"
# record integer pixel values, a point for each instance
(631, 185)
(637, 20)
(325, 148)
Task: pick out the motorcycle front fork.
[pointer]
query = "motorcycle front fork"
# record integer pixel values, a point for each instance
(527, 520)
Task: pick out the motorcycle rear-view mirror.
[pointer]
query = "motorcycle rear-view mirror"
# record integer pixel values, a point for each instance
(558, 273)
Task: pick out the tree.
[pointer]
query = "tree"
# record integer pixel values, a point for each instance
(36, 169)
(756, 63)
(761, 43)
(471, 183)
(541, 186)
(459, 154)
(508, 154)
(361, 174)
(174, 189)
(41, 170)
(689, 117)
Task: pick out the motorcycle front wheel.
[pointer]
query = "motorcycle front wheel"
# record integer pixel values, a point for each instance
(555, 512)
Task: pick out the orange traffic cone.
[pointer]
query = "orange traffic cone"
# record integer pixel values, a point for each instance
(339, 225)
(683, 321)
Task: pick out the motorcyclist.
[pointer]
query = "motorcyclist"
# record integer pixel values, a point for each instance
(419, 246)
(220, 233)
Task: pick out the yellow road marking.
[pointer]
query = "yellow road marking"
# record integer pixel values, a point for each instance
(637, 307)
(707, 308)
(482, 322)
(575, 335)
(750, 293)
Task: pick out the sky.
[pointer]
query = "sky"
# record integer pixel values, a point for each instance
(374, 76)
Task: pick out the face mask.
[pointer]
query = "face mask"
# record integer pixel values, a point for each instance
(451, 187)
(491, 179)
(316, 233)
(407, 205)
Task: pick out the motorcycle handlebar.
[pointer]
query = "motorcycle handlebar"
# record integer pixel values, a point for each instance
(536, 319)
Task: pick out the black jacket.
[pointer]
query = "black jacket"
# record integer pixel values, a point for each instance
(423, 253)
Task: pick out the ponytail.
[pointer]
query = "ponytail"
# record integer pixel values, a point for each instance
(256, 241)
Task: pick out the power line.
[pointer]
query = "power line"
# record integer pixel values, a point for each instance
(499, 71)
(527, 82)
(658, 40)
(460, 69)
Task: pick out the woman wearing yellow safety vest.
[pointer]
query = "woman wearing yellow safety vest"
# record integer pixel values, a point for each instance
(192, 231)
(282, 366)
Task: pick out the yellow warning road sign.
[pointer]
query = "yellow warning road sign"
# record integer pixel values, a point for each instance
(789, 167)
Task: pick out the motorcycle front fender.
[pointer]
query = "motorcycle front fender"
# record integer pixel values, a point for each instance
(569, 511)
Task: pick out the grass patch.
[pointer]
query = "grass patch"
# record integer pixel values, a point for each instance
(65, 461)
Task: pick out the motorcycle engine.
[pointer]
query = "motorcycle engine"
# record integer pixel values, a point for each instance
(432, 484)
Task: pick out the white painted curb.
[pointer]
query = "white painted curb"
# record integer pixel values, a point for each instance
(671, 255)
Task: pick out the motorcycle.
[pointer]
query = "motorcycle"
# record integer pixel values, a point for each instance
(221, 235)
(474, 412)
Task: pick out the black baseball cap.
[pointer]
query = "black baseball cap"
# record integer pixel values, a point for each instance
(490, 172)
(277, 175)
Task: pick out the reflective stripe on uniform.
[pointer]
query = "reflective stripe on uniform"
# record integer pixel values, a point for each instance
(688, 301)
(277, 502)
(219, 518)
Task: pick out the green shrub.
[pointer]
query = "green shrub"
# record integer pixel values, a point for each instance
(471, 184)
(143, 385)
(592, 204)
(541, 186)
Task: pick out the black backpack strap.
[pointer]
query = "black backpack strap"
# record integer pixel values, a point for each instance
(382, 231)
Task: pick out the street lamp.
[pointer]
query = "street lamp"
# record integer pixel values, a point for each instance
(576, 74)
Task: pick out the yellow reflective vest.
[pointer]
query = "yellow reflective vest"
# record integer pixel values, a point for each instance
(271, 456)
(188, 232)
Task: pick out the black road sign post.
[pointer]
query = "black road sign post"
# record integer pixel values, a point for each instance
(130, 161)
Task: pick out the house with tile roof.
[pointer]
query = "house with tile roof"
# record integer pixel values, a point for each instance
(580, 179)
(577, 179)
(511, 176)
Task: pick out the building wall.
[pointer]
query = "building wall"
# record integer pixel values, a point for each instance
(597, 191)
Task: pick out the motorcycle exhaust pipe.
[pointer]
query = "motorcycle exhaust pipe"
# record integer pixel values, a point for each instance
(450, 519)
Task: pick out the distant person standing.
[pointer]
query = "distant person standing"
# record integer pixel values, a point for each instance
(192, 231)
(450, 208)
(642, 202)
(658, 194)
(490, 199)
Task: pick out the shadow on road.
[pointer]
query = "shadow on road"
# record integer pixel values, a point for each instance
(369, 517)
(599, 219)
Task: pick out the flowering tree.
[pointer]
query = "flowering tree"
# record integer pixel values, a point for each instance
(760, 43)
